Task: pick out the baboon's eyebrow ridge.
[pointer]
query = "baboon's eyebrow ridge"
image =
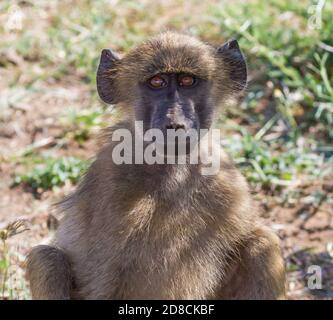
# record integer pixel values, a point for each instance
(170, 53)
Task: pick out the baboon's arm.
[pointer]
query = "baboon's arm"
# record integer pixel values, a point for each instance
(49, 273)
(261, 271)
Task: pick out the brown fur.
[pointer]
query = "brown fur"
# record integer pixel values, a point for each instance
(159, 231)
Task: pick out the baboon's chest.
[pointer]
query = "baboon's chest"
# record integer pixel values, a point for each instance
(167, 271)
(175, 256)
(181, 266)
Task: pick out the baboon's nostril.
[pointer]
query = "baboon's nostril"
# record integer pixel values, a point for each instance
(179, 126)
(175, 126)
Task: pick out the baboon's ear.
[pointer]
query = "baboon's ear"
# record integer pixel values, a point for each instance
(106, 76)
(235, 62)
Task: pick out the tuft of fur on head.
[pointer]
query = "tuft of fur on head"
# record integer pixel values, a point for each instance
(170, 52)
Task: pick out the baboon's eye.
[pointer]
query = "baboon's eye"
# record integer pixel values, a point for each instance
(186, 80)
(157, 82)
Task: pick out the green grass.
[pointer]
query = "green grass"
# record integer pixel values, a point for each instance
(80, 125)
(53, 172)
(272, 165)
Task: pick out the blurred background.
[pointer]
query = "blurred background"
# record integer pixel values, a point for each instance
(280, 134)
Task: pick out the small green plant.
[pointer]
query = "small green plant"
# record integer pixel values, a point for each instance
(53, 172)
(271, 165)
(79, 125)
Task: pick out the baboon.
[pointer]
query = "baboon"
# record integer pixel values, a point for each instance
(162, 231)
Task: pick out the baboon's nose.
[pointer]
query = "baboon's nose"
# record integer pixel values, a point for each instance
(175, 126)
(175, 120)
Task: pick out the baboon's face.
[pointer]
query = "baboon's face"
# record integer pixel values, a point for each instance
(172, 81)
(174, 101)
